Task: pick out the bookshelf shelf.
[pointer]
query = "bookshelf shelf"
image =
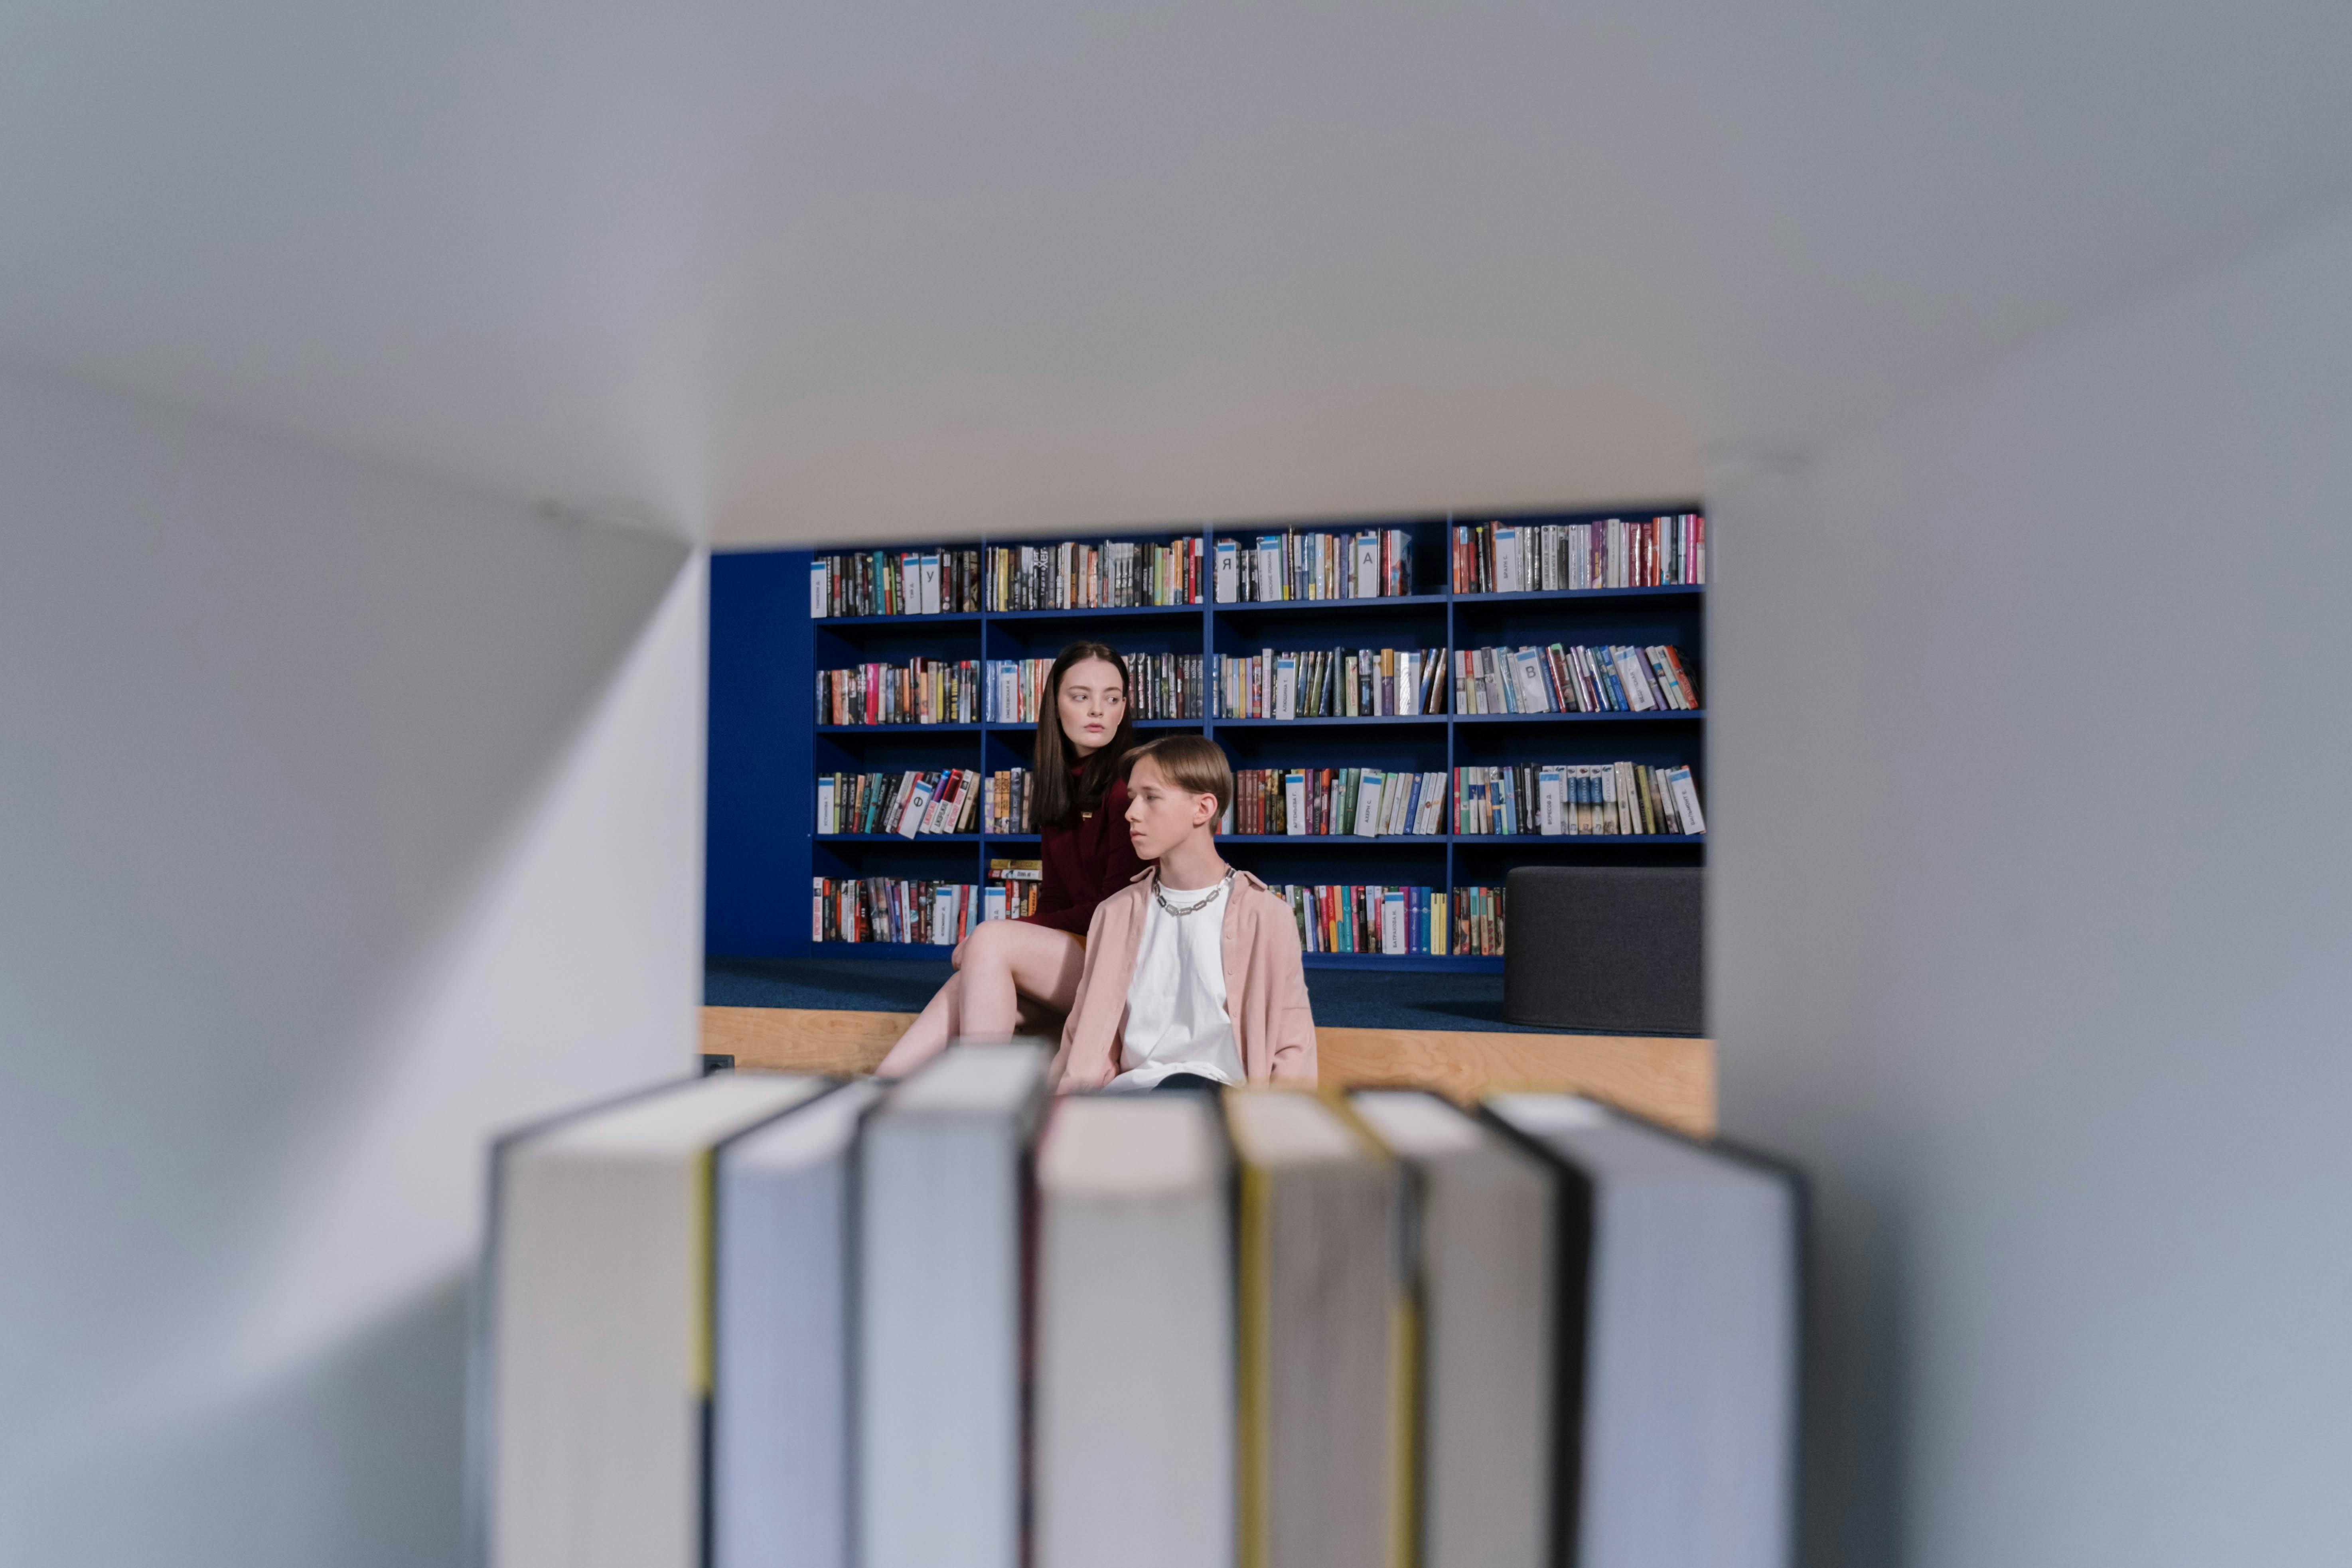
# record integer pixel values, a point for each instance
(1245, 609)
(765, 748)
(1102, 614)
(1474, 840)
(995, 726)
(1539, 596)
(944, 617)
(899, 838)
(905, 728)
(1335, 840)
(1350, 721)
(1684, 715)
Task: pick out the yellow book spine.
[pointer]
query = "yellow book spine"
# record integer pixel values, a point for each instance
(706, 1306)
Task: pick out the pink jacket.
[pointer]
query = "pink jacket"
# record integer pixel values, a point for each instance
(1266, 987)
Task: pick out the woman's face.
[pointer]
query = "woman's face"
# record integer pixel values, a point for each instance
(1092, 700)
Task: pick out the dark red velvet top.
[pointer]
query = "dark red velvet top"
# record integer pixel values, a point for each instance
(1084, 864)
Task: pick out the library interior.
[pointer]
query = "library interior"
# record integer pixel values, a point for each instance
(1175, 786)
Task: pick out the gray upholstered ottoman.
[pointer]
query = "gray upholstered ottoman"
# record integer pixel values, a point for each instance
(1614, 949)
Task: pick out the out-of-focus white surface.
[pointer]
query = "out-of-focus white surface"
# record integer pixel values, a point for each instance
(2032, 933)
(781, 270)
(348, 816)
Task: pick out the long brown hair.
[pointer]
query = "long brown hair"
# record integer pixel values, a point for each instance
(1055, 802)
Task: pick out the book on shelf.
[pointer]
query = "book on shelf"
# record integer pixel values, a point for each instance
(1325, 1400)
(1575, 799)
(894, 583)
(1160, 686)
(1331, 683)
(910, 803)
(959, 1322)
(941, 1312)
(1360, 564)
(1367, 802)
(1510, 560)
(1615, 552)
(600, 1376)
(1478, 922)
(1134, 1417)
(914, 811)
(893, 909)
(1116, 573)
(1581, 679)
(921, 692)
(1361, 918)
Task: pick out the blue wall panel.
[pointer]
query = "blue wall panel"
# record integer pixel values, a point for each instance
(756, 866)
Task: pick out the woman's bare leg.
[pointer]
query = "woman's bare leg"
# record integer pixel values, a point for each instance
(927, 1035)
(1037, 1020)
(1005, 960)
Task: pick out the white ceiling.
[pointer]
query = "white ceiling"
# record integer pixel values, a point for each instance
(766, 271)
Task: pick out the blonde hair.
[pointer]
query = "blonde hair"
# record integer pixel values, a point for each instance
(1193, 764)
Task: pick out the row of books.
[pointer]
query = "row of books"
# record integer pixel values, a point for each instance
(1004, 801)
(1331, 683)
(895, 908)
(1010, 891)
(1305, 802)
(961, 1322)
(1620, 552)
(1365, 564)
(1319, 683)
(1117, 574)
(895, 583)
(1159, 686)
(1478, 922)
(1357, 917)
(1546, 798)
(1617, 679)
(950, 800)
(921, 692)
(1577, 799)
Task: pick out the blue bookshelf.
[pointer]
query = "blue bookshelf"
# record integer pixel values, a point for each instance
(766, 748)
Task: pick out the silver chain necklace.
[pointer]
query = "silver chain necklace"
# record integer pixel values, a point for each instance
(1205, 900)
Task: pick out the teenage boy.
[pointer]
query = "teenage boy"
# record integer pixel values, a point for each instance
(1192, 975)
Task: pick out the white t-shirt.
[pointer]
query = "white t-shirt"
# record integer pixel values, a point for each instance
(1176, 1018)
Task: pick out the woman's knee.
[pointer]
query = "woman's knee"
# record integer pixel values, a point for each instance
(989, 945)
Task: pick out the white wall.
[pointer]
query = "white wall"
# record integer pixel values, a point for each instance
(2034, 932)
(344, 816)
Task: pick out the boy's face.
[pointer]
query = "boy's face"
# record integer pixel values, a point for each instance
(1160, 813)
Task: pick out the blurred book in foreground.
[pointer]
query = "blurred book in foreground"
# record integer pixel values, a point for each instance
(955, 1322)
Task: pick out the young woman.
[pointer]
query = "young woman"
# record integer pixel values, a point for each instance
(1012, 974)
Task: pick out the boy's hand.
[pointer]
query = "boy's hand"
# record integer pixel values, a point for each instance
(955, 959)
